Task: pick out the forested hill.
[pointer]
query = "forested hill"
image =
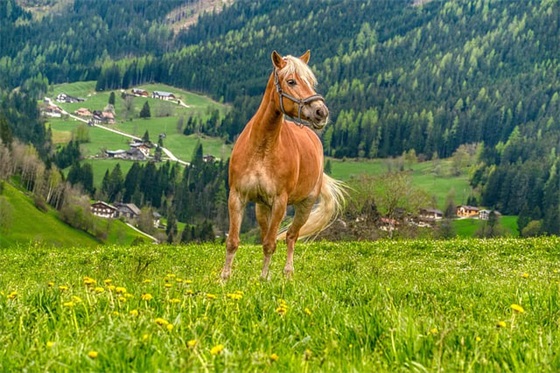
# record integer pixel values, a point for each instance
(397, 77)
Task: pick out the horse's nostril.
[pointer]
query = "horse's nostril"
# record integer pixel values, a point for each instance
(320, 113)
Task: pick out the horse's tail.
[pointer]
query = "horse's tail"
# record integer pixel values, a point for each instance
(331, 203)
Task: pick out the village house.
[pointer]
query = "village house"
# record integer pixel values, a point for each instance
(142, 147)
(430, 214)
(104, 210)
(140, 92)
(128, 210)
(485, 214)
(163, 95)
(467, 211)
(83, 112)
(63, 97)
(52, 111)
(103, 117)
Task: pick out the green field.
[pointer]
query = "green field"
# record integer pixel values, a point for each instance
(387, 306)
(27, 224)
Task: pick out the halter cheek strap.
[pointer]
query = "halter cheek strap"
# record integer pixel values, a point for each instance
(301, 102)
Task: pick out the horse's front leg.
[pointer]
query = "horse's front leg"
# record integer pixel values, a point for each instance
(277, 213)
(235, 208)
(302, 211)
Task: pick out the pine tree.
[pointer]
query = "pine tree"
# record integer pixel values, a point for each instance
(145, 112)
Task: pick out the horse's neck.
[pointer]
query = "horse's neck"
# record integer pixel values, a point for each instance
(267, 121)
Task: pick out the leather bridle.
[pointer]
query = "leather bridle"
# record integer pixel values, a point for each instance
(301, 102)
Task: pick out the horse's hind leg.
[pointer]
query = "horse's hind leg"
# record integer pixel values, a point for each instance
(235, 207)
(302, 211)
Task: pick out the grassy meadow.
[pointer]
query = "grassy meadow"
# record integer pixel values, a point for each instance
(458, 305)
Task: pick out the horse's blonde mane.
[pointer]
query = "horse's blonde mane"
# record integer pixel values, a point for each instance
(296, 66)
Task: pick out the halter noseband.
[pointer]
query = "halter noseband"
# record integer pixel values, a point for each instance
(301, 102)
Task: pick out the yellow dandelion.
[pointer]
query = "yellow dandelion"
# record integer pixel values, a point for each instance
(111, 287)
(63, 288)
(133, 313)
(235, 296)
(169, 327)
(168, 285)
(179, 279)
(274, 357)
(128, 295)
(116, 313)
(307, 311)
(69, 304)
(120, 290)
(93, 354)
(478, 339)
(147, 296)
(174, 300)
(187, 282)
(50, 284)
(146, 281)
(192, 343)
(88, 281)
(189, 292)
(122, 299)
(76, 299)
(99, 290)
(501, 324)
(216, 350)
(433, 331)
(307, 354)
(161, 322)
(13, 295)
(211, 296)
(525, 275)
(517, 308)
(145, 337)
(107, 281)
(50, 344)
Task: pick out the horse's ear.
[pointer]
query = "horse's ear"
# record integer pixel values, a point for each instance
(305, 57)
(277, 60)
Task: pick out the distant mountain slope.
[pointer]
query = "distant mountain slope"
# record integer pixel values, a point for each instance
(24, 223)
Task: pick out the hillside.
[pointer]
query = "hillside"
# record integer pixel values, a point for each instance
(23, 223)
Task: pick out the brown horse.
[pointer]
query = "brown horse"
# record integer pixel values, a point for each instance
(276, 163)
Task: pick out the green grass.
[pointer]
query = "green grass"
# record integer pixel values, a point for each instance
(468, 227)
(28, 225)
(387, 306)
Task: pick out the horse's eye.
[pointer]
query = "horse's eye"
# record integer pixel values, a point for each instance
(291, 82)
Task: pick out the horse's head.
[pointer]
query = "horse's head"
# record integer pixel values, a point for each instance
(295, 84)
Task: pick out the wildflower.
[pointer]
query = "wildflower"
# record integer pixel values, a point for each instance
(50, 344)
(235, 296)
(110, 287)
(146, 281)
(307, 354)
(501, 324)
(128, 295)
(169, 327)
(478, 339)
(174, 300)
(12, 295)
(99, 290)
(145, 337)
(116, 313)
(93, 354)
(189, 292)
(211, 296)
(282, 308)
(525, 275)
(63, 288)
(307, 311)
(168, 285)
(517, 308)
(69, 304)
(187, 282)
(120, 290)
(274, 357)
(433, 331)
(121, 299)
(76, 299)
(216, 350)
(147, 296)
(50, 284)
(161, 322)
(134, 313)
(192, 343)
(179, 279)
(107, 281)
(88, 281)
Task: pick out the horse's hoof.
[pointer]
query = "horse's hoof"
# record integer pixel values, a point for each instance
(225, 275)
(288, 273)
